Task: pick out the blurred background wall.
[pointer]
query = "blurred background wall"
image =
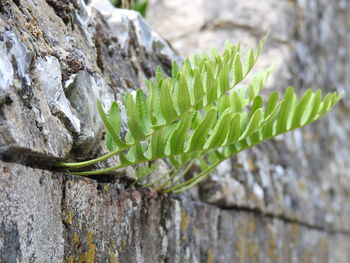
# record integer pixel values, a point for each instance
(309, 42)
(304, 175)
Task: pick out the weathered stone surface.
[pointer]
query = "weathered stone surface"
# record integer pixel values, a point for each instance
(58, 59)
(46, 217)
(142, 227)
(303, 175)
(49, 77)
(212, 22)
(30, 214)
(93, 88)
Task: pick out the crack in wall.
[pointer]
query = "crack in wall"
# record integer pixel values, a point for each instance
(288, 220)
(112, 178)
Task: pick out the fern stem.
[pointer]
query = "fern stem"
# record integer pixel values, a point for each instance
(139, 179)
(184, 172)
(189, 183)
(169, 179)
(158, 179)
(192, 183)
(91, 162)
(102, 171)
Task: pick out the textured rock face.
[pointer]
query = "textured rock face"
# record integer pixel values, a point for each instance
(56, 65)
(80, 220)
(285, 201)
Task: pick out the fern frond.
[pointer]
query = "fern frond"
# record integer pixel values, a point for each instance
(163, 98)
(198, 115)
(301, 116)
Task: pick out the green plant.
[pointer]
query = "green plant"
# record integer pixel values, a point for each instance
(198, 115)
(138, 5)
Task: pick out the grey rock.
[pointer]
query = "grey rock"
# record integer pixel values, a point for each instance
(49, 76)
(124, 21)
(15, 61)
(20, 57)
(6, 72)
(30, 215)
(83, 94)
(55, 93)
(47, 217)
(30, 130)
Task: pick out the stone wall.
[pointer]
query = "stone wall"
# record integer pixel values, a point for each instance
(284, 201)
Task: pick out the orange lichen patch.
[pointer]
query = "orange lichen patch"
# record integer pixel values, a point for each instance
(272, 248)
(308, 256)
(70, 217)
(106, 188)
(302, 184)
(210, 256)
(241, 243)
(123, 245)
(112, 258)
(272, 244)
(251, 225)
(251, 165)
(184, 221)
(89, 256)
(240, 250)
(253, 253)
(67, 217)
(294, 232)
(76, 239)
(323, 250)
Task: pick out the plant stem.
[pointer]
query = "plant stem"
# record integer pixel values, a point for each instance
(90, 162)
(169, 179)
(158, 179)
(189, 183)
(184, 172)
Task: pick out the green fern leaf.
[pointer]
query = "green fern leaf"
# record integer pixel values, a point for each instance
(196, 114)
(199, 135)
(303, 109)
(176, 141)
(238, 73)
(135, 127)
(142, 112)
(112, 124)
(220, 132)
(286, 111)
(183, 98)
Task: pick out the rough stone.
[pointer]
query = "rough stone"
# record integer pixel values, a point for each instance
(30, 214)
(47, 217)
(58, 59)
(93, 89)
(49, 77)
(30, 129)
